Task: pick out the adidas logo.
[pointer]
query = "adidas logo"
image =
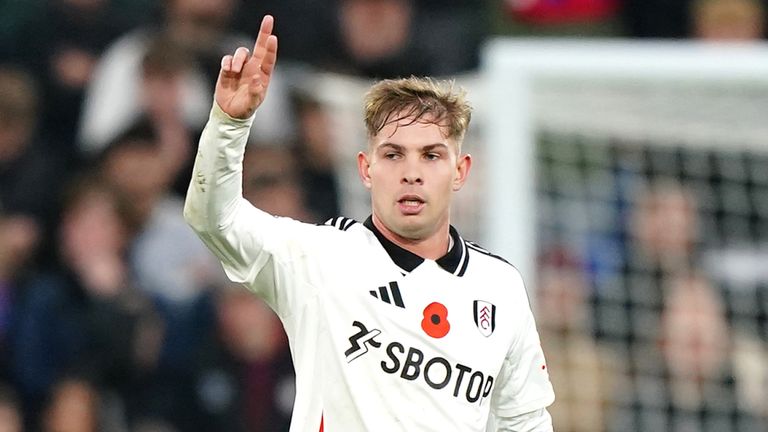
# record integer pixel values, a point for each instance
(389, 294)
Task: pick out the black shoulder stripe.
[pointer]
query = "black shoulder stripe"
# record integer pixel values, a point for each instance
(348, 224)
(339, 222)
(465, 257)
(477, 248)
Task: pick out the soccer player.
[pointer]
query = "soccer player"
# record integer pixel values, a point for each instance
(396, 323)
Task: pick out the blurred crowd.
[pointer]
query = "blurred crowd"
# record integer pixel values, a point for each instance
(113, 316)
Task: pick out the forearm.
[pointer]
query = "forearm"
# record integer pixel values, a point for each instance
(215, 190)
(536, 421)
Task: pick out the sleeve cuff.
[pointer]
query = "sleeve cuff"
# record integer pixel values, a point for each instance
(221, 117)
(531, 406)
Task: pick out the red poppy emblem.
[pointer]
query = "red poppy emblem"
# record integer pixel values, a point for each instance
(435, 322)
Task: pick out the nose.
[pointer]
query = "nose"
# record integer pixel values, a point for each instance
(412, 175)
(412, 180)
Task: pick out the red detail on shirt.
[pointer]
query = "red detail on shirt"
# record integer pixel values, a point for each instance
(435, 322)
(321, 423)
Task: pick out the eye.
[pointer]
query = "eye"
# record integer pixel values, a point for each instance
(391, 155)
(432, 156)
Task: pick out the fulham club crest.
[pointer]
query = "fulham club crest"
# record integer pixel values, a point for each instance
(485, 317)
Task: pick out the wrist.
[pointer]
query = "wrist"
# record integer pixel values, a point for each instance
(218, 114)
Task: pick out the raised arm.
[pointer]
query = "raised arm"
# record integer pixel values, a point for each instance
(214, 205)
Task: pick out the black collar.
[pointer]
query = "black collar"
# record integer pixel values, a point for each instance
(454, 261)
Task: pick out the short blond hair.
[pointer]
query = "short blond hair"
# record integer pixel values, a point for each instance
(418, 99)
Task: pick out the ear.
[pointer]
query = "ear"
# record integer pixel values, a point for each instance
(363, 169)
(463, 166)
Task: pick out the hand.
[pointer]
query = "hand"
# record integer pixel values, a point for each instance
(244, 78)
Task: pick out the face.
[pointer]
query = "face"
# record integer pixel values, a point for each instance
(374, 29)
(666, 224)
(412, 171)
(694, 336)
(141, 174)
(92, 226)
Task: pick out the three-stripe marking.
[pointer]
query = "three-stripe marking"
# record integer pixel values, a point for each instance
(389, 294)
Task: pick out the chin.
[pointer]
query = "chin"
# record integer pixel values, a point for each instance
(412, 229)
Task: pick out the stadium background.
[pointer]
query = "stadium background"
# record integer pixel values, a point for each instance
(621, 163)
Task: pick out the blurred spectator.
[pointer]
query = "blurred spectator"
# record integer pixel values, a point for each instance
(28, 176)
(661, 241)
(10, 411)
(85, 315)
(74, 34)
(164, 66)
(245, 381)
(583, 374)
(272, 177)
(664, 226)
(377, 35)
(68, 38)
(316, 157)
(29, 186)
(200, 29)
(694, 337)
(18, 238)
(169, 261)
(686, 382)
(115, 97)
(394, 38)
(728, 20)
(662, 238)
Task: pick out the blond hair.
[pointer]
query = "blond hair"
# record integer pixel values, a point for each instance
(417, 99)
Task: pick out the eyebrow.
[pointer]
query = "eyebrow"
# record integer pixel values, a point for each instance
(398, 147)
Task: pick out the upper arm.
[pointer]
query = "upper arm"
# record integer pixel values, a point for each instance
(277, 258)
(523, 384)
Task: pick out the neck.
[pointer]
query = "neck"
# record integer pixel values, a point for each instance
(432, 247)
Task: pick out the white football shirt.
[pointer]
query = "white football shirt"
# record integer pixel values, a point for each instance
(381, 339)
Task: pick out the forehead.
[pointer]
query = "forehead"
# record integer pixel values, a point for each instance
(408, 131)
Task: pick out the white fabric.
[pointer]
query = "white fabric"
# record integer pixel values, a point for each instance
(536, 421)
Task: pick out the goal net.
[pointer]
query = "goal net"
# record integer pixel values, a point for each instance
(629, 182)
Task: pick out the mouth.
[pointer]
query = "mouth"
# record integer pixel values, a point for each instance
(410, 204)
